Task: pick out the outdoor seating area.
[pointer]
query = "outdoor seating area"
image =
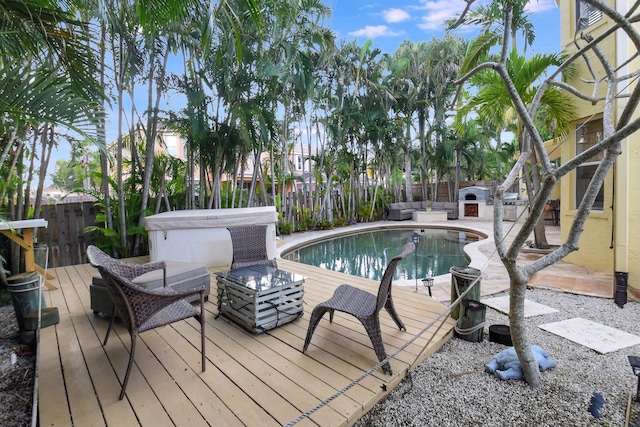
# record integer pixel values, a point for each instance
(250, 379)
(170, 257)
(400, 211)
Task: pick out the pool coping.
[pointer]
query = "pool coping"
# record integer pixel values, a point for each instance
(477, 258)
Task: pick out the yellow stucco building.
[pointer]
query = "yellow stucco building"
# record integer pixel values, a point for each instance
(611, 238)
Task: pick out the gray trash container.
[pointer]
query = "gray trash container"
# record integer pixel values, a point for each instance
(25, 289)
(470, 325)
(461, 279)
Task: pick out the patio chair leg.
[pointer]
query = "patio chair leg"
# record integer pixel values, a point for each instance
(134, 336)
(204, 364)
(316, 315)
(372, 325)
(113, 315)
(391, 309)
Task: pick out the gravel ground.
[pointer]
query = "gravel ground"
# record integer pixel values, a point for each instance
(16, 379)
(451, 388)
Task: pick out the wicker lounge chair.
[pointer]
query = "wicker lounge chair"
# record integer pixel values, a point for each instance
(141, 309)
(250, 246)
(364, 306)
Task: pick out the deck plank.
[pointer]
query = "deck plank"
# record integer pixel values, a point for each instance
(220, 385)
(276, 371)
(51, 382)
(250, 379)
(104, 384)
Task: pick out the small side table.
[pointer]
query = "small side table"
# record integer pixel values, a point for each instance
(429, 216)
(260, 297)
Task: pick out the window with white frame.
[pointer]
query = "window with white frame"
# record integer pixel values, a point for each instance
(299, 163)
(171, 143)
(586, 15)
(587, 135)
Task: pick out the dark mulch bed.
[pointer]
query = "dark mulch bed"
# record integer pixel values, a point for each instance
(17, 373)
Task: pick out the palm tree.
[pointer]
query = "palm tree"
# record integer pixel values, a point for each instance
(142, 36)
(467, 139)
(46, 85)
(445, 57)
(46, 77)
(432, 67)
(494, 106)
(490, 19)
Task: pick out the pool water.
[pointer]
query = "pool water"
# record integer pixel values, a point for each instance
(367, 254)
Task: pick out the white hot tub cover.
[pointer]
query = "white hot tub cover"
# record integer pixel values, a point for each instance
(211, 218)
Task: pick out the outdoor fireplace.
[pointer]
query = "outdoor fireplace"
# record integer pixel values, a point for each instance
(473, 201)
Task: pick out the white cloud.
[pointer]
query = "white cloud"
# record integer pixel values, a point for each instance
(540, 5)
(439, 11)
(436, 12)
(373, 31)
(395, 15)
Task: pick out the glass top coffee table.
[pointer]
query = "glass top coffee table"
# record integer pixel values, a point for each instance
(260, 297)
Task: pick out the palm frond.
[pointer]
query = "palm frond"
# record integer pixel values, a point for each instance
(478, 50)
(31, 97)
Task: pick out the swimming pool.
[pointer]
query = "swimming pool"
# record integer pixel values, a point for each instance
(366, 254)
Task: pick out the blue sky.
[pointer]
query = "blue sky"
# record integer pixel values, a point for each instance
(388, 23)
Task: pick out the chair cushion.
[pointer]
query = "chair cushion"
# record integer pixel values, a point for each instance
(181, 276)
(177, 271)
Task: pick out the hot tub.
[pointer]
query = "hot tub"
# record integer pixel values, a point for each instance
(201, 236)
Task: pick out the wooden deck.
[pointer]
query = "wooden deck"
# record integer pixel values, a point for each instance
(252, 380)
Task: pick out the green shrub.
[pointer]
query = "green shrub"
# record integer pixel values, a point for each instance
(306, 223)
(364, 211)
(325, 225)
(285, 227)
(340, 222)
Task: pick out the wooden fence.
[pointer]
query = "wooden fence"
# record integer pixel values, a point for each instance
(64, 235)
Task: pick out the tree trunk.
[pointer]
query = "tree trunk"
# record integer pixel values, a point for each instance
(528, 363)
(539, 234)
(102, 136)
(27, 187)
(44, 165)
(456, 187)
(407, 173)
(152, 123)
(272, 173)
(121, 201)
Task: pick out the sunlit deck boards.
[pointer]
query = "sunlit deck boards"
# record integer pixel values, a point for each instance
(250, 379)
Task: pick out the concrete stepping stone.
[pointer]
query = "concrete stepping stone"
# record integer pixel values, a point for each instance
(531, 308)
(600, 338)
